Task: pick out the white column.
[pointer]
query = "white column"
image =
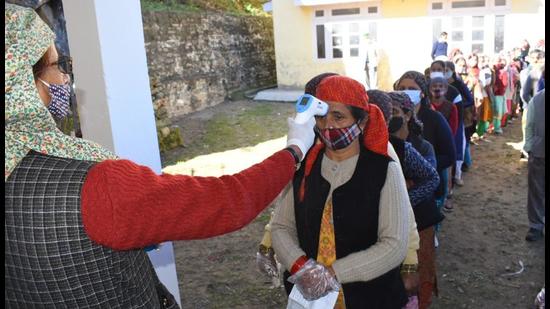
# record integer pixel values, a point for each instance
(113, 93)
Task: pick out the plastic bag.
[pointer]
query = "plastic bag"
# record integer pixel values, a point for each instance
(265, 261)
(539, 300)
(314, 280)
(297, 301)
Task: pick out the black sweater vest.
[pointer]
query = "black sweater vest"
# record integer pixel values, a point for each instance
(355, 217)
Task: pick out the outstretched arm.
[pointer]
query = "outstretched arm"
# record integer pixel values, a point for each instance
(128, 206)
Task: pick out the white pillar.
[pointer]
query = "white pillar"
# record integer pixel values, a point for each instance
(113, 93)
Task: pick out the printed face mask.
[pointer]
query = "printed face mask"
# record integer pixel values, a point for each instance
(339, 138)
(60, 99)
(414, 95)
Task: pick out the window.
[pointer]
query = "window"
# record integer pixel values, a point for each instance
(372, 31)
(345, 39)
(339, 30)
(437, 6)
(471, 24)
(458, 22)
(478, 21)
(437, 28)
(457, 32)
(354, 40)
(340, 12)
(467, 4)
(457, 36)
(337, 41)
(467, 7)
(478, 33)
(499, 33)
(477, 48)
(320, 41)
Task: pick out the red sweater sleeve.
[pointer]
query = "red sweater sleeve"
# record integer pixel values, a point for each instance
(128, 206)
(453, 120)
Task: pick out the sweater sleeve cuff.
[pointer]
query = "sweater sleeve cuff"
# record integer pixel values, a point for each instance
(411, 258)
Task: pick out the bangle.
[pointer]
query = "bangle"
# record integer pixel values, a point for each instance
(409, 268)
(298, 264)
(294, 154)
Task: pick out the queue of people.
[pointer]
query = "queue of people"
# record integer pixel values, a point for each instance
(361, 191)
(432, 118)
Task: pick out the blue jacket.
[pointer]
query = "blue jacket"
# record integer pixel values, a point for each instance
(540, 84)
(439, 49)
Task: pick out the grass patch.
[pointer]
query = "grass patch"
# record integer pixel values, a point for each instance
(246, 127)
(167, 6)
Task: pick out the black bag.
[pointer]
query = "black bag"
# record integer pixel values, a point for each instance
(427, 214)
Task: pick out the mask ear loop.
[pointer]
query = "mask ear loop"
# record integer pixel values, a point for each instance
(358, 123)
(43, 82)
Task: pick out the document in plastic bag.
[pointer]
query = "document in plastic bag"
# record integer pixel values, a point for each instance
(297, 301)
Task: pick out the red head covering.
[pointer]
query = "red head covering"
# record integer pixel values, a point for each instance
(350, 92)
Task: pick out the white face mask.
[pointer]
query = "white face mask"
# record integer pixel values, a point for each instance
(414, 95)
(436, 74)
(448, 74)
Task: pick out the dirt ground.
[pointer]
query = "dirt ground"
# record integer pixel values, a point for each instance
(480, 241)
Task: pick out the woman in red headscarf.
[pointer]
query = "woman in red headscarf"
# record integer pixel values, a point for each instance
(343, 220)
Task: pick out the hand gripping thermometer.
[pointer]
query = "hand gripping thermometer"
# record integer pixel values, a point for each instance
(308, 106)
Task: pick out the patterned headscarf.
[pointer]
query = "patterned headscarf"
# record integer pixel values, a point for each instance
(350, 92)
(382, 100)
(401, 100)
(419, 79)
(28, 124)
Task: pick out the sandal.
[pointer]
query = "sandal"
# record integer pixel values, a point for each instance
(448, 207)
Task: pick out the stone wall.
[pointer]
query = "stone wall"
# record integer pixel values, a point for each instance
(196, 59)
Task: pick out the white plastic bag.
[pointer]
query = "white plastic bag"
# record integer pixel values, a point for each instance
(297, 301)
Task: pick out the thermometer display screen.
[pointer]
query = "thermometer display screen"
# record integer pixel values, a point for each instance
(304, 101)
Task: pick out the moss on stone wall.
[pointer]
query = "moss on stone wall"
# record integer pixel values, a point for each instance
(169, 138)
(197, 59)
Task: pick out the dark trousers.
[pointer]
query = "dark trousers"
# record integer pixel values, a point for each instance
(535, 195)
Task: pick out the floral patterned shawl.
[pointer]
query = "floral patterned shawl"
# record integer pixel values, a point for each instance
(28, 124)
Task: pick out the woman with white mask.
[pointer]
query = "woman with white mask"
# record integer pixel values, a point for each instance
(436, 130)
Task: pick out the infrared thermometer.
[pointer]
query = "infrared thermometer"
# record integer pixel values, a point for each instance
(308, 106)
